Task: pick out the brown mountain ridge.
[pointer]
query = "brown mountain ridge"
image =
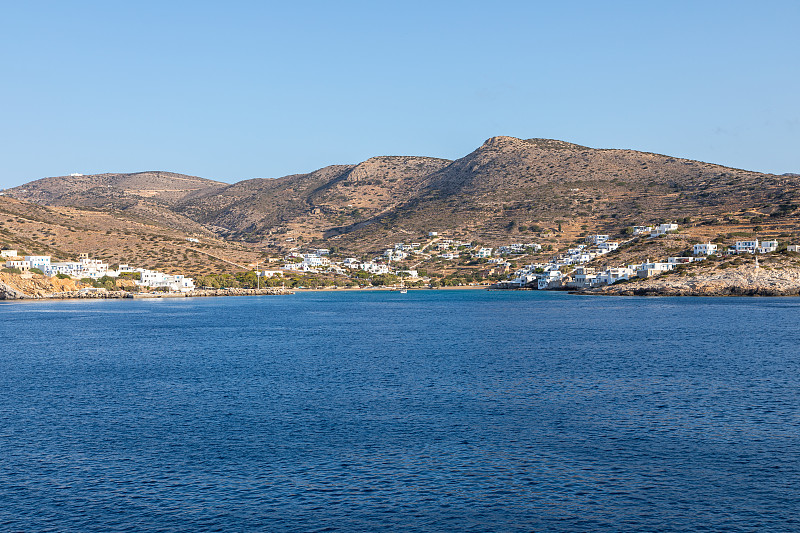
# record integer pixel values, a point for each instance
(506, 184)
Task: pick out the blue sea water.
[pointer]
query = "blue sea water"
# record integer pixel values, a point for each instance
(377, 411)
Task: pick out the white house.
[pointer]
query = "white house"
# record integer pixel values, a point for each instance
(449, 256)
(704, 249)
(38, 261)
(8, 253)
(612, 275)
(172, 282)
(315, 261)
(395, 255)
(661, 229)
(767, 247)
(433, 234)
(375, 268)
(641, 230)
(351, 262)
(596, 239)
(482, 253)
(742, 247)
(19, 264)
(605, 247)
(584, 277)
(549, 280)
(93, 268)
(793, 248)
(67, 268)
(646, 270)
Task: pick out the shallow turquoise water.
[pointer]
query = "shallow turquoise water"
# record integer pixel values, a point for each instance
(430, 411)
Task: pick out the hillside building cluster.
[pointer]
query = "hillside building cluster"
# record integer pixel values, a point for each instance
(95, 269)
(568, 270)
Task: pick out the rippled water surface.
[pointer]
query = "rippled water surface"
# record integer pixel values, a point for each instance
(429, 411)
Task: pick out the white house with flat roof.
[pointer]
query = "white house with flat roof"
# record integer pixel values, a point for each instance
(707, 248)
(19, 264)
(662, 229)
(647, 270)
(8, 253)
(745, 247)
(596, 239)
(38, 261)
(172, 282)
(767, 247)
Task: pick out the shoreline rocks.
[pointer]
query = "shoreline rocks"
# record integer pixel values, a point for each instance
(744, 280)
(9, 293)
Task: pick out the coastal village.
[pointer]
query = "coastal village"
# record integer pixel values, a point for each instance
(580, 267)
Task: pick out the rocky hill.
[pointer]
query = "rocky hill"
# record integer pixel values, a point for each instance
(104, 189)
(506, 189)
(774, 276)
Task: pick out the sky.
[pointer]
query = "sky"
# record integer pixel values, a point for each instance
(238, 90)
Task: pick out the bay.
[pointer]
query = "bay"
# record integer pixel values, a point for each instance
(428, 411)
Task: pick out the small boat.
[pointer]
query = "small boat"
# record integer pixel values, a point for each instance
(403, 291)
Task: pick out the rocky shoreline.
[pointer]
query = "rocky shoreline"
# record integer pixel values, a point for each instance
(744, 280)
(9, 293)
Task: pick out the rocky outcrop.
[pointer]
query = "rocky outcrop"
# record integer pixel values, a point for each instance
(237, 292)
(93, 295)
(744, 280)
(8, 292)
(21, 286)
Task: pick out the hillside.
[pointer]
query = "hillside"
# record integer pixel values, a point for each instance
(116, 236)
(105, 189)
(508, 189)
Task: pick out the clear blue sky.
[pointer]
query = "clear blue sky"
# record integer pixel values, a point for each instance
(236, 90)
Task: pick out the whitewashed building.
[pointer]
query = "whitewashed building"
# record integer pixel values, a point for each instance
(707, 248)
(38, 261)
(596, 239)
(767, 247)
(646, 270)
(662, 229)
(19, 264)
(745, 247)
(158, 280)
